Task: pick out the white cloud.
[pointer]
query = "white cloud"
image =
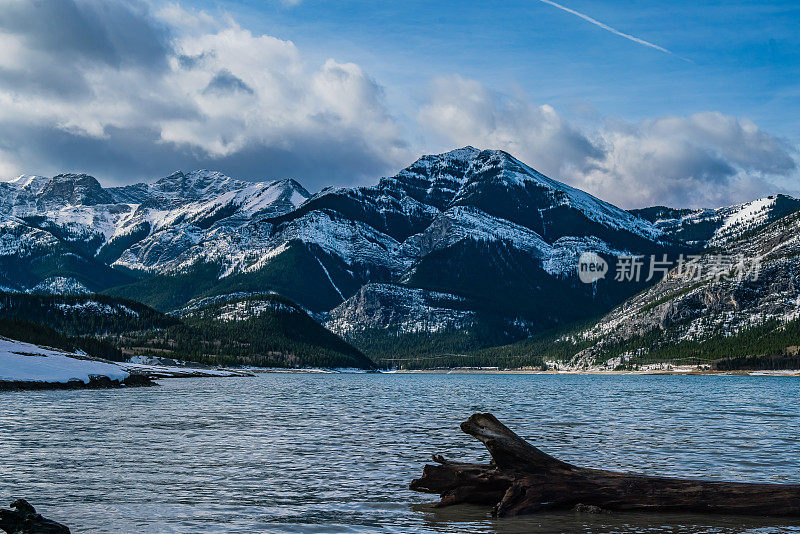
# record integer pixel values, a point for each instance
(214, 91)
(706, 159)
(112, 88)
(464, 112)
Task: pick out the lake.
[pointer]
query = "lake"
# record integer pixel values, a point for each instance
(335, 452)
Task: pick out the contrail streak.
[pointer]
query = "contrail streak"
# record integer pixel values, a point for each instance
(606, 27)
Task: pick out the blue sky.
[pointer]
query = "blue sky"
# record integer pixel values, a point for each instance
(744, 57)
(681, 103)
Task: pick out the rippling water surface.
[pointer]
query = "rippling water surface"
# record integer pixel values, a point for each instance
(335, 453)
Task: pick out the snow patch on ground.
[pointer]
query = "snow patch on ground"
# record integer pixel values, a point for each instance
(60, 285)
(170, 371)
(26, 362)
(98, 308)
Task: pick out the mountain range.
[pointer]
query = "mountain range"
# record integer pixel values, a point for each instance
(470, 246)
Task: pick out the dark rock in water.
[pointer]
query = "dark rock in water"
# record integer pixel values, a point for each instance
(23, 519)
(138, 380)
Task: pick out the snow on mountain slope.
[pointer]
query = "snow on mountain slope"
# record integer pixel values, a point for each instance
(195, 185)
(479, 195)
(433, 180)
(72, 189)
(19, 240)
(18, 194)
(490, 180)
(243, 310)
(565, 252)
(26, 181)
(464, 222)
(503, 169)
(161, 249)
(353, 241)
(718, 227)
(743, 217)
(140, 226)
(61, 285)
(246, 248)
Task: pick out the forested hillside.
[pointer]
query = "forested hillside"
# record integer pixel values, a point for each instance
(258, 331)
(265, 331)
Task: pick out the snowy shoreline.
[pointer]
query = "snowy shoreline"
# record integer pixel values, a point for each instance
(28, 366)
(25, 366)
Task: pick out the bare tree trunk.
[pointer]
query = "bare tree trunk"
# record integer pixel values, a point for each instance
(521, 479)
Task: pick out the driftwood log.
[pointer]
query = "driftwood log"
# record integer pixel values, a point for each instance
(23, 519)
(521, 479)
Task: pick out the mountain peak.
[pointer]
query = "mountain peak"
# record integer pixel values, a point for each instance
(291, 183)
(465, 152)
(76, 177)
(74, 189)
(503, 186)
(468, 160)
(463, 155)
(195, 185)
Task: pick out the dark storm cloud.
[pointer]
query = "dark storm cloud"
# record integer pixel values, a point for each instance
(315, 163)
(111, 32)
(224, 82)
(61, 40)
(48, 77)
(126, 155)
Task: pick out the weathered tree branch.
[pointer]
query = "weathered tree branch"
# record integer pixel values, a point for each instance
(521, 479)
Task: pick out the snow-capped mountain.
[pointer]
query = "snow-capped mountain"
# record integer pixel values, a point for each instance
(456, 240)
(435, 224)
(704, 228)
(69, 232)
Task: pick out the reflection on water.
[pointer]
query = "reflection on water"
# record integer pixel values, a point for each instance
(335, 453)
(475, 519)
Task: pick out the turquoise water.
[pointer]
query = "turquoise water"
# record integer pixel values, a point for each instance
(335, 453)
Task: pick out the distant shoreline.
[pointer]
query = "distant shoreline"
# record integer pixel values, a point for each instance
(684, 372)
